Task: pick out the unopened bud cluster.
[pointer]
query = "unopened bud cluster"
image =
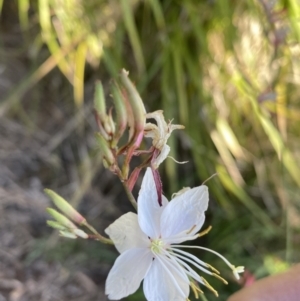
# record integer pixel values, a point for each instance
(129, 114)
(62, 222)
(69, 219)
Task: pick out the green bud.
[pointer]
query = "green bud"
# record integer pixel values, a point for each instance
(109, 125)
(61, 219)
(80, 233)
(55, 225)
(67, 234)
(65, 207)
(105, 122)
(105, 164)
(121, 114)
(137, 106)
(99, 100)
(105, 149)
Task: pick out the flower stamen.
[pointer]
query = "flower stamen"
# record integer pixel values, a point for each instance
(188, 270)
(206, 283)
(235, 270)
(171, 276)
(204, 232)
(196, 290)
(194, 258)
(191, 229)
(213, 269)
(220, 278)
(178, 162)
(193, 263)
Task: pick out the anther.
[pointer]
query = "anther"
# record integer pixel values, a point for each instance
(212, 268)
(196, 290)
(191, 229)
(205, 231)
(220, 278)
(210, 287)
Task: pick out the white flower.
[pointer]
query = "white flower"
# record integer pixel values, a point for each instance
(148, 243)
(160, 134)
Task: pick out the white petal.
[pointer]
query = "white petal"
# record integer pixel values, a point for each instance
(164, 283)
(162, 156)
(126, 233)
(127, 273)
(185, 213)
(149, 210)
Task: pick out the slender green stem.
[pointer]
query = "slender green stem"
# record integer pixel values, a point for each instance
(98, 235)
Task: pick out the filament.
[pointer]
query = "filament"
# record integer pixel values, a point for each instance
(193, 263)
(171, 276)
(232, 267)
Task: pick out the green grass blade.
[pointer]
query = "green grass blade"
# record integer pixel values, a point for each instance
(273, 134)
(158, 13)
(51, 39)
(241, 195)
(23, 13)
(294, 16)
(133, 34)
(179, 79)
(79, 73)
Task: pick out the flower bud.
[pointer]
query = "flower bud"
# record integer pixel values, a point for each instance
(55, 225)
(61, 219)
(121, 114)
(105, 149)
(67, 234)
(80, 233)
(105, 122)
(99, 100)
(138, 109)
(109, 123)
(65, 207)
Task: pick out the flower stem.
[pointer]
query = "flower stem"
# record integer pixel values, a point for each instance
(98, 235)
(130, 195)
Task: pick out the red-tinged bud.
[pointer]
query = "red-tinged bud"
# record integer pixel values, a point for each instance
(138, 109)
(65, 207)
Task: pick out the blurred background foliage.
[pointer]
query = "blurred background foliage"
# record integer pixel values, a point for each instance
(227, 70)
